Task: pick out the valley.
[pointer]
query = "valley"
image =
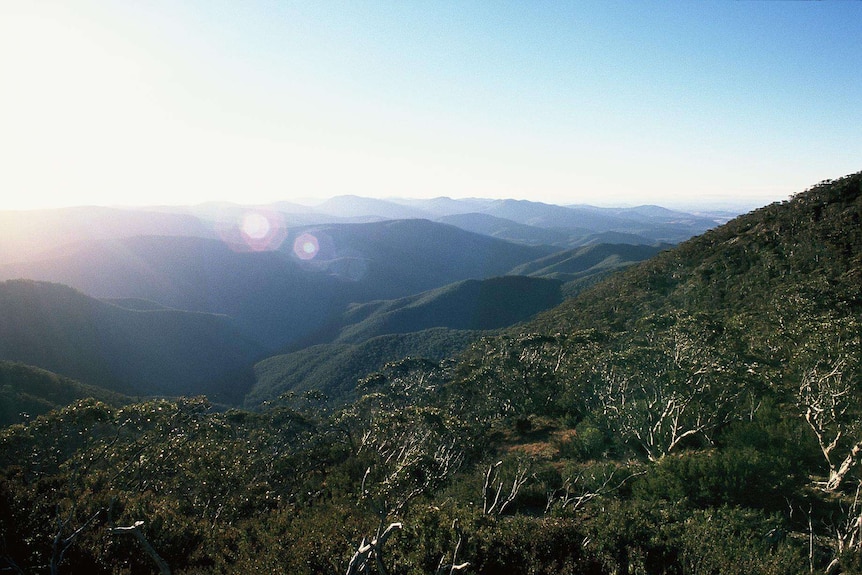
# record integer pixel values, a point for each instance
(256, 289)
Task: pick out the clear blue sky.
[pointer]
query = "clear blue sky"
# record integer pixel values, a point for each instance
(611, 103)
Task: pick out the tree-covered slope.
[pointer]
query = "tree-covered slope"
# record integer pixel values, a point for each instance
(269, 294)
(164, 352)
(785, 263)
(697, 413)
(335, 369)
(579, 263)
(27, 391)
(435, 324)
(469, 305)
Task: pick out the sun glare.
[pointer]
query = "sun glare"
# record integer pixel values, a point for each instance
(255, 226)
(255, 231)
(306, 247)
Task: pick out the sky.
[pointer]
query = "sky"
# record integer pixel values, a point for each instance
(606, 103)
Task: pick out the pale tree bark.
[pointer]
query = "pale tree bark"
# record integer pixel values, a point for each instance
(371, 550)
(412, 458)
(825, 397)
(135, 530)
(450, 568)
(848, 534)
(574, 494)
(658, 413)
(838, 475)
(492, 504)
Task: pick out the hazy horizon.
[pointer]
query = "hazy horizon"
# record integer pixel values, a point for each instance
(729, 205)
(614, 104)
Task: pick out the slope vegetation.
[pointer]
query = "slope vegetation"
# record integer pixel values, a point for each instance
(590, 260)
(468, 305)
(796, 261)
(434, 325)
(163, 352)
(335, 369)
(27, 391)
(697, 413)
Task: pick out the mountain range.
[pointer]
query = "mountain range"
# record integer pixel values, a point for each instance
(184, 300)
(697, 412)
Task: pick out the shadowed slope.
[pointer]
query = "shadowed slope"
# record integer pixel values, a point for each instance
(143, 352)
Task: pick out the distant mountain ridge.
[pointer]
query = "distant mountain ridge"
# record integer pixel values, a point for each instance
(185, 299)
(28, 234)
(277, 296)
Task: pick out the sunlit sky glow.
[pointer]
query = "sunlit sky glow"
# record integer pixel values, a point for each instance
(166, 102)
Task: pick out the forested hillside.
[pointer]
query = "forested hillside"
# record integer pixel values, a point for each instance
(335, 368)
(697, 413)
(154, 352)
(27, 391)
(469, 305)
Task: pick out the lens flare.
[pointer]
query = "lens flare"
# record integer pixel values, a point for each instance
(255, 226)
(306, 247)
(258, 231)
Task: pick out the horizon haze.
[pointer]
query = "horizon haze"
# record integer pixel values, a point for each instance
(613, 104)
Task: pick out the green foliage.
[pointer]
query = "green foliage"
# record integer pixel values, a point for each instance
(584, 263)
(335, 369)
(727, 541)
(739, 477)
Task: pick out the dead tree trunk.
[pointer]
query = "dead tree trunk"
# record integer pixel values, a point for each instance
(135, 530)
(837, 475)
(367, 551)
(61, 544)
(825, 399)
(492, 503)
(450, 568)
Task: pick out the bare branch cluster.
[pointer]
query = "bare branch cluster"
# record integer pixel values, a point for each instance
(824, 398)
(661, 404)
(493, 502)
(369, 551)
(576, 492)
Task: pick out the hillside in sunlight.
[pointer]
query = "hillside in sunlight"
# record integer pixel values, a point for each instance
(335, 369)
(584, 262)
(468, 305)
(796, 261)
